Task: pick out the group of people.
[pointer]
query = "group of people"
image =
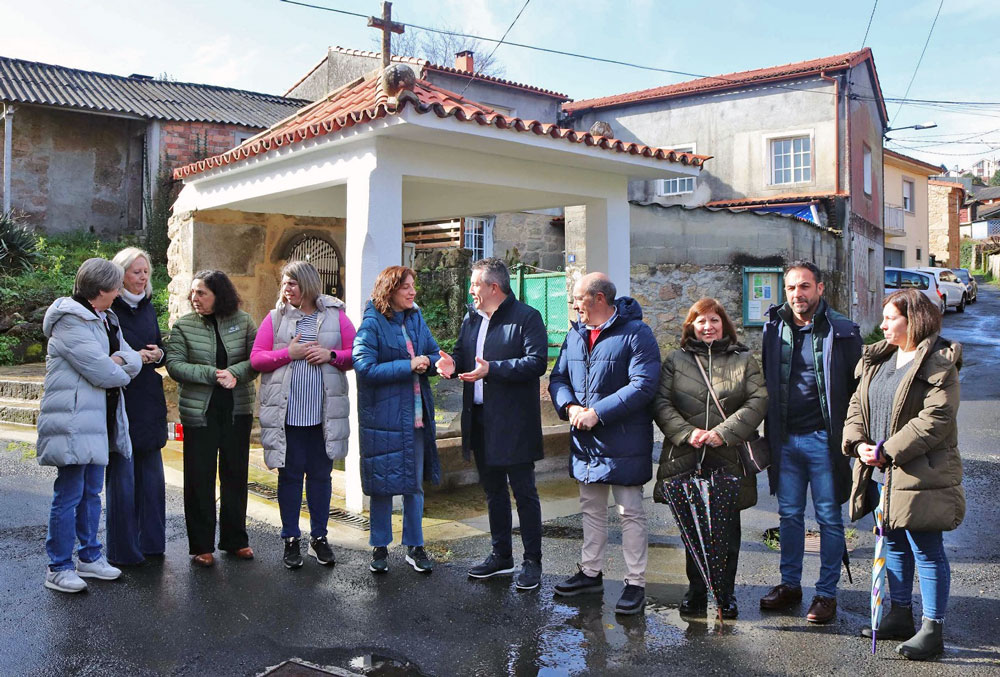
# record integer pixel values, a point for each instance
(821, 396)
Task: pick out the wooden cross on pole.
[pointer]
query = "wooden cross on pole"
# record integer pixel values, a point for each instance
(387, 26)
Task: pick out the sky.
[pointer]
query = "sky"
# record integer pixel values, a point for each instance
(266, 45)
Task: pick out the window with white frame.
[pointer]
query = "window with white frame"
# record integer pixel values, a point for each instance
(681, 185)
(791, 160)
(478, 236)
(867, 166)
(908, 196)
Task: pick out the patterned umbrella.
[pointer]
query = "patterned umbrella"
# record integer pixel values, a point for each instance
(878, 562)
(703, 508)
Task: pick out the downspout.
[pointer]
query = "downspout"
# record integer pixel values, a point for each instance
(8, 133)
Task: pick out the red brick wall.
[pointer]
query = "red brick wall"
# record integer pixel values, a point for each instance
(184, 142)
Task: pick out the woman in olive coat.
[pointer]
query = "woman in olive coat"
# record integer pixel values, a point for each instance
(902, 426)
(696, 434)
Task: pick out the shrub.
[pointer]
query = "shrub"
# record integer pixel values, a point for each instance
(18, 244)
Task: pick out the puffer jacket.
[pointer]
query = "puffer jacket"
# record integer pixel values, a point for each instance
(684, 403)
(73, 421)
(925, 474)
(386, 402)
(191, 362)
(617, 379)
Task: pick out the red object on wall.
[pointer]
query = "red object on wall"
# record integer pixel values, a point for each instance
(178, 432)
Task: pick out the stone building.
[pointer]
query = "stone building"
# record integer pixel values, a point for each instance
(944, 200)
(85, 151)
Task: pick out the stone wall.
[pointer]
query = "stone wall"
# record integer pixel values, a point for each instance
(943, 228)
(537, 240)
(249, 247)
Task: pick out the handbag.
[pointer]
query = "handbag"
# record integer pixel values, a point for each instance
(755, 454)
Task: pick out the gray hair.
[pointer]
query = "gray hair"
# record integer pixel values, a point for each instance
(494, 271)
(601, 286)
(306, 275)
(808, 265)
(96, 276)
(126, 257)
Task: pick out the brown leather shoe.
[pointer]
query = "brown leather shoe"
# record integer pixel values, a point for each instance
(203, 560)
(781, 597)
(244, 553)
(822, 610)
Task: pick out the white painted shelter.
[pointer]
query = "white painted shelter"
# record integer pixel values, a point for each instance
(379, 158)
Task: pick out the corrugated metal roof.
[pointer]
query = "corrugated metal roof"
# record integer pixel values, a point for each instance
(42, 84)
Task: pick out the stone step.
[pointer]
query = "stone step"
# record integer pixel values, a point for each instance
(18, 411)
(20, 389)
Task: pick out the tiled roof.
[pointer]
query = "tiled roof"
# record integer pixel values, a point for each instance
(772, 200)
(364, 101)
(29, 82)
(988, 212)
(949, 184)
(424, 65)
(985, 193)
(732, 81)
(934, 170)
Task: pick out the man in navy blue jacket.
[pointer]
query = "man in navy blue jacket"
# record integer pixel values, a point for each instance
(501, 353)
(603, 383)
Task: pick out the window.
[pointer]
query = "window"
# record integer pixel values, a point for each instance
(868, 170)
(892, 279)
(679, 186)
(910, 280)
(240, 137)
(478, 237)
(919, 252)
(908, 196)
(791, 160)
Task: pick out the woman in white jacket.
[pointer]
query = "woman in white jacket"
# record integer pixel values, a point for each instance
(82, 419)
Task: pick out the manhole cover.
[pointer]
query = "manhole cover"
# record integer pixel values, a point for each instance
(262, 490)
(350, 519)
(299, 668)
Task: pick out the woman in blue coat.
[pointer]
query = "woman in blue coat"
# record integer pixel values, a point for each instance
(394, 353)
(136, 511)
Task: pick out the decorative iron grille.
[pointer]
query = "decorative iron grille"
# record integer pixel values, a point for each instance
(324, 258)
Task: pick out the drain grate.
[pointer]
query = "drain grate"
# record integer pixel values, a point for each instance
(350, 519)
(262, 490)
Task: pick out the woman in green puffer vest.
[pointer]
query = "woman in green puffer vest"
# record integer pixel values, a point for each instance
(208, 354)
(694, 430)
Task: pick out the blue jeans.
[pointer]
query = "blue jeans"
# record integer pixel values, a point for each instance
(380, 507)
(805, 462)
(925, 549)
(75, 515)
(305, 456)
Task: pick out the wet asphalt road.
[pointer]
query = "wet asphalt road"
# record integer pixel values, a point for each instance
(240, 617)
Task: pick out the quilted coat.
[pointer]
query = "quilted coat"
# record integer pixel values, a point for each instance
(73, 422)
(617, 379)
(144, 401)
(683, 403)
(386, 402)
(191, 362)
(925, 487)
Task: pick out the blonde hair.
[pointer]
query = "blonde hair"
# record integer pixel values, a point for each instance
(126, 257)
(306, 275)
(388, 281)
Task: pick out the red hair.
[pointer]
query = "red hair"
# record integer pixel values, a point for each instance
(703, 307)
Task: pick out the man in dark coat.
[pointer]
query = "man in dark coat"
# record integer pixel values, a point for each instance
(809, 355)
(604, 383)
(500, 354)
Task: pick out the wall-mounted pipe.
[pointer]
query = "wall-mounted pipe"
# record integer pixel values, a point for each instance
(8, 121)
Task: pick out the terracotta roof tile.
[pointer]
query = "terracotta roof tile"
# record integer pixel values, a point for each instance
(949, 184)
(364, 101)
(774, 199)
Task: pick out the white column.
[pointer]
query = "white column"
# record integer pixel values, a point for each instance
(607, 238)
(374, 241)
(8, 129)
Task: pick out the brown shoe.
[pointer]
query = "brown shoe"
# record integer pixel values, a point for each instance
(203, 560)
(822, 609)
(244, 553)
(781, 597)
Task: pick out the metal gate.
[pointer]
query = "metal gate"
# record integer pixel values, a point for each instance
(546, 293)
(324, 258)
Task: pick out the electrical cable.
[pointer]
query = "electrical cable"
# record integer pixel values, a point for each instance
(869, 25)
(495, 48)
(922, 52)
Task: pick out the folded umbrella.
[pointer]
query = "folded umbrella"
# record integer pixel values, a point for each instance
(878, 561)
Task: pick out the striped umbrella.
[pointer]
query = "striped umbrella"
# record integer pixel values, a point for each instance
(878, 562)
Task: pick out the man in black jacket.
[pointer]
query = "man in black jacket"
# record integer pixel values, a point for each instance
(500, 354)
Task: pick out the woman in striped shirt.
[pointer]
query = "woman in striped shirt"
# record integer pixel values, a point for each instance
(302, 350)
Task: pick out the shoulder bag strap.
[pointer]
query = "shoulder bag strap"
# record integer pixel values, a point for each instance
(708, 382)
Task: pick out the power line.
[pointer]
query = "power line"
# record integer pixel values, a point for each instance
(922, 52)
(502, 37)
(869, 25)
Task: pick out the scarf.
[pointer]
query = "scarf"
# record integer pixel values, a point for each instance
(132, 299)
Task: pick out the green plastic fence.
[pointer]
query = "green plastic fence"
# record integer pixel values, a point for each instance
(546, 292)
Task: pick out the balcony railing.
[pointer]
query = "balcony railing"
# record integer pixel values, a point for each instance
(893, 221)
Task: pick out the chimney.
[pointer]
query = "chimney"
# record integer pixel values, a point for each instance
(463, 61)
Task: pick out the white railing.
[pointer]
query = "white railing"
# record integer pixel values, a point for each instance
(893, 221)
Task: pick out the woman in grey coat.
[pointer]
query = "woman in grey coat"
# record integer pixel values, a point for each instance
(82, 419)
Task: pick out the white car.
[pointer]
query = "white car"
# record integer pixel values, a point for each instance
(926, 283)
(954, 291)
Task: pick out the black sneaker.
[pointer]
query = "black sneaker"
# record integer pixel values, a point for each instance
(380, 560)
(320, 549)
(580, 583)
(418, 558)
(530, 576)
(493, 565)
(293, 554)
(632, 601)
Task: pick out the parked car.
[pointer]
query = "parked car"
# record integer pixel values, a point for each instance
(970, 282)
(954, 291)
(902, 278)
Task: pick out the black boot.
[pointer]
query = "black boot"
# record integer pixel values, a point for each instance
(897, 624)
(927, 643)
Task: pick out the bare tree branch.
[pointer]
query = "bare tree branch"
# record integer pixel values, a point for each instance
(440, 49)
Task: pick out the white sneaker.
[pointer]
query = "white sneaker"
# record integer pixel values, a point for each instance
(66, 580)
(99, 568)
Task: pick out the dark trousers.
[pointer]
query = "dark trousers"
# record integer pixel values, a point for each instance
(305, 456)
(136, 516)
(223, 443)
(494, 480)
(696, 584)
